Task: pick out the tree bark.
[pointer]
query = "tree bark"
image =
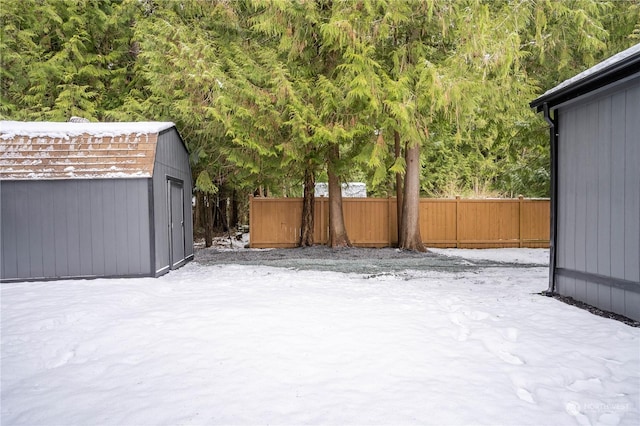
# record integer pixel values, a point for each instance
(337, 231)
(197, 212)
(234, 219)
(308, 206)
(410, 238)
(224, 213)
(399, 195)
(207, 221)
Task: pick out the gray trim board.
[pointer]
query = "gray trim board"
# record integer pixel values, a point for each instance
(152, 226)
(599, 279)
(75, 277)
(162, 271)
(605, 74)
(553, 233)
(601, 91)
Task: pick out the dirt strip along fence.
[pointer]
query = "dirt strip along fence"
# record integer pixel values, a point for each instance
(372, 222)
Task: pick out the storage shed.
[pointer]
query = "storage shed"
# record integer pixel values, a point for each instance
(81, 200)
(594, 119)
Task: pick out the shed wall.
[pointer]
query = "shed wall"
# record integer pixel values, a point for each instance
(172, 161)
(74, 228)
(599, 200)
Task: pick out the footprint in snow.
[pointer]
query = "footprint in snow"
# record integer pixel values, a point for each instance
(509, 358)
(462, 332)
(510, 334)
(591, 385)
(61, 359)
(450, 304)
(525, 395)
(476, 315)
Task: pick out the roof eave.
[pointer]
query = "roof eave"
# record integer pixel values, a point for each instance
(615, 72)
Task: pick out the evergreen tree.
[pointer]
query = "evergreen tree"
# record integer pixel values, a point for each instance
(65, 58)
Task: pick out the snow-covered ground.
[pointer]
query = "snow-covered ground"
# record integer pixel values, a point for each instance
(245, 344)
(519, 256)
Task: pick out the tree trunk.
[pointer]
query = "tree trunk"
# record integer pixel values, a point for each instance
(198, 212)
(399, 196)
(337, 231)
(410, 238)
(308, 204)
(224, 218)
(234, 218)
(207, 220)
(216, 222)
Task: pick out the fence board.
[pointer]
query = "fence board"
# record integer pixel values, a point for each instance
(372, 222)
(438, 222)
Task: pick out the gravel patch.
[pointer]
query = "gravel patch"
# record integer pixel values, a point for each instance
(348, 260)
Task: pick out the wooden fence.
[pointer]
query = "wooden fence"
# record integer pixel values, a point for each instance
(372, 222)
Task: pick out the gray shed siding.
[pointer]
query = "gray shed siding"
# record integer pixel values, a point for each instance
(172, 161)
(598, 220)
(74, 228)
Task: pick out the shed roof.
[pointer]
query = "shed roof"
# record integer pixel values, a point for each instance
(56, 150)
(608, 71)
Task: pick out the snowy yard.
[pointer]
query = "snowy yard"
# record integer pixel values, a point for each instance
(251, 344)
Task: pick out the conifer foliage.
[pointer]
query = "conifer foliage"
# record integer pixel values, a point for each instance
(65, 58)
(414, 97)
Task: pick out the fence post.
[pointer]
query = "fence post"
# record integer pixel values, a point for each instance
(389, 221)
(520, 219)
(457, 220)
(251, 219)
(324, 234)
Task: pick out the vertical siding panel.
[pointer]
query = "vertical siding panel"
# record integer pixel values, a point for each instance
(561, 207)
(86, 227)
(617, 300)
(122, 228)
(109, 208)
(73, 231)
(604, 296)
(568, 195)
(60, 233)
(632, 186)
(567, 286)
(592, 293)
(604, 188)
(581, 290)
(581, 175)
(144, 236)
(48, 229)
(632, 304)
(9, 233)
(35, 213)
(133, 226)
(617, 184)
(161, 216)
(98, 231)
(23, 230)
(591, 181)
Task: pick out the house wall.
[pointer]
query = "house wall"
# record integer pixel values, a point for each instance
(74, 228)
(172, 161)
(598, 222)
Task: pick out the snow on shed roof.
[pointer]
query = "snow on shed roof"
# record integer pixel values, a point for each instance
(609, 69)
(63, 150)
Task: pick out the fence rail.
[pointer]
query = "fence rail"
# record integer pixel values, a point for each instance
(372, 222)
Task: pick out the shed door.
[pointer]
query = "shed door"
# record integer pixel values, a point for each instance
(176, 222)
